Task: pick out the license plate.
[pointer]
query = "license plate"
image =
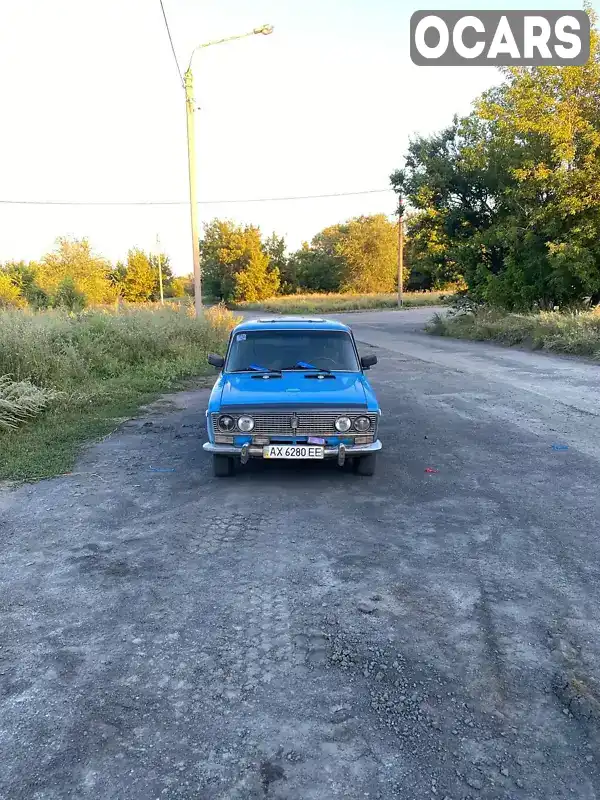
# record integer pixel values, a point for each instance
(292, 451)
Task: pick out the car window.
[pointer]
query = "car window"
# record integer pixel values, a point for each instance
(332, 350)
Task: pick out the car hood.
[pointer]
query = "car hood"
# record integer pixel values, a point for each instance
(345, 390)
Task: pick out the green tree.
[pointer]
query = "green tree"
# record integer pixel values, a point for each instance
(275, 248)
(509, 196)
(359, 255)
(321, 268)
(167, 275)
(313, 269)
(235, 265)
(24, 277)
(548, 120)
(74, 258)
(68, 296)
(140, 283)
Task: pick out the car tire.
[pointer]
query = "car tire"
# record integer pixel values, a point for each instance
(365, 465)
(222, 466)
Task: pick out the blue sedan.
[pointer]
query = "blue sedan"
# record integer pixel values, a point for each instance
(292, 389)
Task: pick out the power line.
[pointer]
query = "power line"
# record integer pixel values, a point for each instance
(171, 40)
(185, 203)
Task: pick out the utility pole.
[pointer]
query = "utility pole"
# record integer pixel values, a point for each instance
(400, 252)
(160, 280)
(191, 142)
(188, 84)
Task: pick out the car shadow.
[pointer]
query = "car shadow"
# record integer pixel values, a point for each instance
(284, 470)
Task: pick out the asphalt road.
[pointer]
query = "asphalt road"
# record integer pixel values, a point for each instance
(300, 632)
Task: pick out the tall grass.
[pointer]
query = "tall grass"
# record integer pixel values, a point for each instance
(64, 351)
(575, 333)
(330, 303)
(21, 400)
(81, 372)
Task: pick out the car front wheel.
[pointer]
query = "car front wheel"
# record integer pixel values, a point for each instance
(365, 465)
(222, 466)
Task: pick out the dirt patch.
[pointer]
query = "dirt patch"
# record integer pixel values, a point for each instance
(579, 694)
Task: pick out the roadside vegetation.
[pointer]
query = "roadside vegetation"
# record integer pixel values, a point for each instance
(73, 277)
(329, 303)
(575, 333)
(350, 265)
(507, 200)
(67, 378)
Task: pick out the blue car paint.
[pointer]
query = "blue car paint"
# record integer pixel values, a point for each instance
(347, 389)
(251, 390)
(291, 324)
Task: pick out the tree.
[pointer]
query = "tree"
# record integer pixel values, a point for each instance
(74, 258)
(548, 119)
(320, 265)
(141, 278)
(509, 196)
(310, 269)
(178, 287)
(359, 255)
(188, 284)
(368, 248)
(167, 275)
(116, 277)
(10, 295)
(235, 265)
(68, 296)
(24, 277)
(275, 248)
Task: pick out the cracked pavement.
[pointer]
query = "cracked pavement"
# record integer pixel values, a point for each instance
(300, 632)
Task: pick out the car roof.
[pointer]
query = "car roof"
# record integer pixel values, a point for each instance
(292, 323)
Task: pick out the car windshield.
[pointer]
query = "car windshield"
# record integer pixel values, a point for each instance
(292, 349)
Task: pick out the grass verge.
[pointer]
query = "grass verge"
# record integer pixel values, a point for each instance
(568, 333)
(98, 369)
(328, 303)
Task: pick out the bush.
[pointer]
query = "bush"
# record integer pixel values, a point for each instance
(575, 333)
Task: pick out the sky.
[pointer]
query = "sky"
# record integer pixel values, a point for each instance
(93, 111)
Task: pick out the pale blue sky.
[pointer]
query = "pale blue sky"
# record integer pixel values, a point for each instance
(92, 110)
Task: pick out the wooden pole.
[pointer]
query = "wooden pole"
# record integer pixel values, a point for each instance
(400, 254)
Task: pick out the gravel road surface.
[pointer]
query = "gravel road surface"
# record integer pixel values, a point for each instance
(300, 632)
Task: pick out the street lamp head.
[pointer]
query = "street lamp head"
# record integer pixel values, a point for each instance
(264, 29)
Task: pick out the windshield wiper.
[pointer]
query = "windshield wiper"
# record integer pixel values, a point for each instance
(258, 368)
(306, 365)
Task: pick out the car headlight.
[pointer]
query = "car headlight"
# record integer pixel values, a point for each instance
(343, 424)
(245, 424)
(226, 423)
(362, 424)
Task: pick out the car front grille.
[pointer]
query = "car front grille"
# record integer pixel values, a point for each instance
(314, 424)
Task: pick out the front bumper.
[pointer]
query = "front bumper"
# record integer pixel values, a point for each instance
(248, 451)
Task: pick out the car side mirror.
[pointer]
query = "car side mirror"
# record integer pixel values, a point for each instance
(368, 361)
(216, 361)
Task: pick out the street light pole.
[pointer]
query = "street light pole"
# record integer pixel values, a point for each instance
(189, 113)
(191, 143)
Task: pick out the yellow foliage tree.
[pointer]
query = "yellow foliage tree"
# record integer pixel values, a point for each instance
(74, 258)
(10, 294)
